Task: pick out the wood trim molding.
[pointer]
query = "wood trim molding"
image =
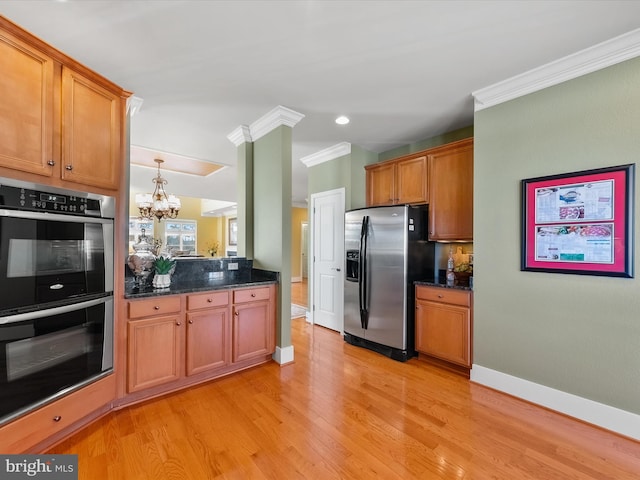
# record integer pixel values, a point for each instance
(605, 416)
(602, 55)
(331, 153)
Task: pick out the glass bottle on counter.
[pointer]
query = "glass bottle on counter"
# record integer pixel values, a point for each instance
(451, 277)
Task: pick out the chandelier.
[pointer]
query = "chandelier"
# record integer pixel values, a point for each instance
(158, 204)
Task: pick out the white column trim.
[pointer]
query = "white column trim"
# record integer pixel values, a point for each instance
(268, 122)
(240, 135)
(283, 355)
(272, 120)
(605, 416)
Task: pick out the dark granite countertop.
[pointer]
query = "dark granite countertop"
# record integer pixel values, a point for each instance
(203, 283)
(432, 283)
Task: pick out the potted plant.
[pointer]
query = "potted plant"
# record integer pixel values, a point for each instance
(164, 267)
(212, 249)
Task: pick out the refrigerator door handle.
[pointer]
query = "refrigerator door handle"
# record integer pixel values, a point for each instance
(362, 286)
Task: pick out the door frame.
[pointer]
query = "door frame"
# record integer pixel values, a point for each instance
(341, 192)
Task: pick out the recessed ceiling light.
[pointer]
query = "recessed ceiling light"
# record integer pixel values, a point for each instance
(342, 120)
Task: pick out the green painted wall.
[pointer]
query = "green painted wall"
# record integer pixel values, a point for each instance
(578, 334)
(272, 218)
(245, 200)
(344, 172)
(436, 141)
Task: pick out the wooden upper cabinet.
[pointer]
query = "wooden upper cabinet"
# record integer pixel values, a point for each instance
(451, 192)
(58, 119)
(380, 184)
(91, 122)
(412, 180)
(397, 182)
(26, 108)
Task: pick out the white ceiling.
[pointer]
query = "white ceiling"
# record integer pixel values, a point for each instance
(403, 71)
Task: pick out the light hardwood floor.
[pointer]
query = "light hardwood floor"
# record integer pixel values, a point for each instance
(299, 293)
(343, 412)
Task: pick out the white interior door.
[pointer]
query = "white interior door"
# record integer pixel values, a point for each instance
(327, 236)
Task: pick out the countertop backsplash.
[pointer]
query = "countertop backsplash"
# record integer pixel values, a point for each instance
(193, 274)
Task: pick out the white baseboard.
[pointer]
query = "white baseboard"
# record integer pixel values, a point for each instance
(611, 418)
(283, 355)
(296, 279)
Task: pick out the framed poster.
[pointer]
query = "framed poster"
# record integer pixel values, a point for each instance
(579, 223)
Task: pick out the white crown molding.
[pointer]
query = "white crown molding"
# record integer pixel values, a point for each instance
(240, 135)
(274, 119)
(605, 416)
(602, 55)
(134, 104)
(331, 153)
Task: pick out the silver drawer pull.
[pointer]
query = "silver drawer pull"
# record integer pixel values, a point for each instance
(57, 418)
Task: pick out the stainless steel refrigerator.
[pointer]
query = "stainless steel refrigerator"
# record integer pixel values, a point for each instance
(386, 251)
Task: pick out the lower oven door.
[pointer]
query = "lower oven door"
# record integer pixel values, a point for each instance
(49, 353)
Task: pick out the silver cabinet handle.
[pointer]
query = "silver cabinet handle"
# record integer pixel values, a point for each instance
(51, 163)
(69, 167)
(57, 418)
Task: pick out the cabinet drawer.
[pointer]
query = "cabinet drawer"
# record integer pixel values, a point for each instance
(154, 306)
(35, 427)
(251, 295)
(444, 295)
(206, 300)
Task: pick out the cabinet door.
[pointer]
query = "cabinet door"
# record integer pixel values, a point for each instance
(444, 332)
(91, 123)
(208, 340)
(26, 108)
(451, 193)
(252, 332)
(411, 181)
(153, 352)
(380, 185)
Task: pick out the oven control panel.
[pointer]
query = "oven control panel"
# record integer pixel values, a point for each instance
(36, 200)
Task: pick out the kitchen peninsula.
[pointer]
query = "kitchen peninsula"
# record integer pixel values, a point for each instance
(216, 318)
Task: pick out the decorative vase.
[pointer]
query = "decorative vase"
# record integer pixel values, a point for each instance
(141, 262)
(162, 281)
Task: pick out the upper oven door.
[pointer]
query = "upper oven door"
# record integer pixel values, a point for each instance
(47, 258)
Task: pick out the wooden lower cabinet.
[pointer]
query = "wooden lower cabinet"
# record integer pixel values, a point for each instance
(154, 351)
(208, 332)
(253, 332)
(178, 340)
(55, 421)
(444, 324)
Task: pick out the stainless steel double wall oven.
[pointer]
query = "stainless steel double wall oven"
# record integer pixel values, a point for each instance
(56, 293)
